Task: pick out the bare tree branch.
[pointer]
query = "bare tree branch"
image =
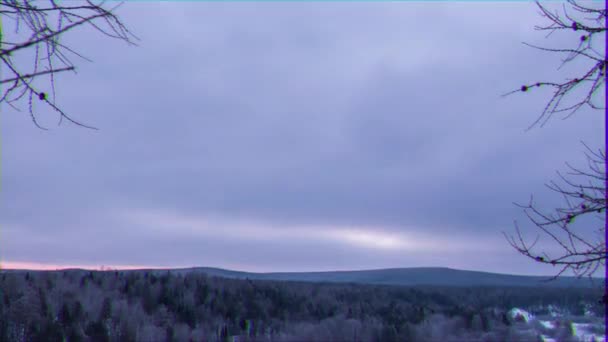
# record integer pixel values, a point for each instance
(593, 78)
(38, 29)
(39, 73)
(583, 190)
(578, 253)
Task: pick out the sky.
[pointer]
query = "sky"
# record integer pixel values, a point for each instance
(293, 136)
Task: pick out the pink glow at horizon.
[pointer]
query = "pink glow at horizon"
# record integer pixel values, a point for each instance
(25, 265)
(38, 266)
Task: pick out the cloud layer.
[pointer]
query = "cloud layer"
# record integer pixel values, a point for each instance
(293, 136)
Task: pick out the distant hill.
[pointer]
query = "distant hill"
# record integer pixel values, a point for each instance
(432, 276)
(415, 276)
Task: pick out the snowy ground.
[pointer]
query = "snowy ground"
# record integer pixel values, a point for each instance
(584, 332)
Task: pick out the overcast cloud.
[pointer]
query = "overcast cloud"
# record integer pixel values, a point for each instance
(291, 137)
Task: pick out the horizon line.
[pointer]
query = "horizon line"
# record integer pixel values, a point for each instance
(28, 266)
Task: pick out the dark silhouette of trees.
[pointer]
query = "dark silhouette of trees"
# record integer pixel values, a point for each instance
(65, 316)
(584, 191)
(97, 332)
(101, 311)
(34, 30)
(106, 310)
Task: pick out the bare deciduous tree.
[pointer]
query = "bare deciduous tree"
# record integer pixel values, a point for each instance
(584, 191)
(38, 28)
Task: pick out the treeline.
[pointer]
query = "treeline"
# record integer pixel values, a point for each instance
(80, 305)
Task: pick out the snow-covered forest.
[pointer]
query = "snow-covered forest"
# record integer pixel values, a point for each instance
(77, 305)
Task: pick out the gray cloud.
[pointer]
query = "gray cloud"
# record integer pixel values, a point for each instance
(386, 116)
